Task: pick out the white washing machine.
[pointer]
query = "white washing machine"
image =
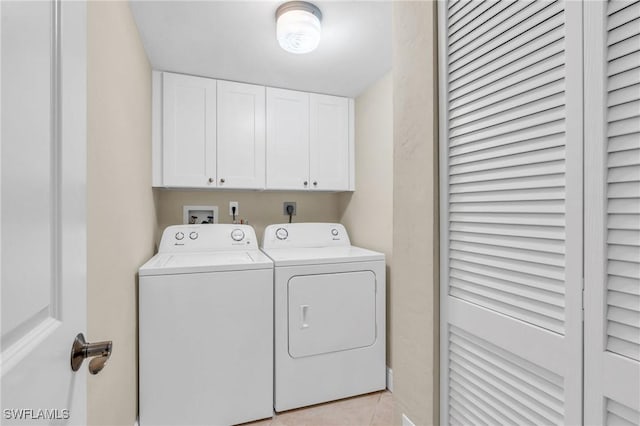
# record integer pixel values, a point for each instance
(329, 314)
(206, 328)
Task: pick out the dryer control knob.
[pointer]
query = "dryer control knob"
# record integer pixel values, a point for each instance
(179, 236)
(193, 235)
(237, 235)
(282, 233)
(334, 232)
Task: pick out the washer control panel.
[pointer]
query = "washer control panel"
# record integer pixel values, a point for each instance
(282, 233)
(207, 237)
(291, 235)
(237, 235)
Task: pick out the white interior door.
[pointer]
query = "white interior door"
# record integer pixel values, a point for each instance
(612, 214)
(43, 209)
(511, 212)
(287, 139)
(241, 135)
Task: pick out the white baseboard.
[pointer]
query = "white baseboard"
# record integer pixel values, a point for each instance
(390, 379)
(406, 421)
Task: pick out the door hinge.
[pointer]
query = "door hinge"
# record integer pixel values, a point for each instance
(582, 300)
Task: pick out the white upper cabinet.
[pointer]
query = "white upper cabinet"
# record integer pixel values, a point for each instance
(188, 148)
(309, 141)
(241, 135)
(287, 139)
(329, 143)
(220, 134)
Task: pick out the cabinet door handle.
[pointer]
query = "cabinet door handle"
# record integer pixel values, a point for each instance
(306, 183)
(315, 183)
(210, 180)
(222, 180)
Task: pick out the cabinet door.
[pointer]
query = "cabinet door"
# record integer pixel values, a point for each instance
(189, 131)
(241, 135)
(329, 143)
(287, 139)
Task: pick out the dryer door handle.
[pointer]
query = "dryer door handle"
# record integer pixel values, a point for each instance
(304, 312)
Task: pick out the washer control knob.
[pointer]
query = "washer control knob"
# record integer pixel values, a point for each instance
(193, 235)
(237, 235)
(334, 232)
(282, 233)
(179, 236)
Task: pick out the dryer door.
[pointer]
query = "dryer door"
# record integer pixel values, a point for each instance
(331, 312)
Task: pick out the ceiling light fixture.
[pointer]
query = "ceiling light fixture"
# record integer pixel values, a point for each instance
(298, 26)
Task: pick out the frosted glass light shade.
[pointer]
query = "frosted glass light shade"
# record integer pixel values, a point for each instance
(298, 27)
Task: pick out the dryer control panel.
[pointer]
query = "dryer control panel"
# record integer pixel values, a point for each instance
(208, 237)
(291, 235)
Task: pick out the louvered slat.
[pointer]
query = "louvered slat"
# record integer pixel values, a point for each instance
(621, 415)
(492, 386)
(615, 6)
(549, 206)
(538, 49)
(617, 19)
(624, 63)
(472, 15)
(526, 140)
(488, 19)
(515, 277)
(525, 28)
(538, 76)
(623, 180)
(510, 128)
(621, 80)
(507, 29)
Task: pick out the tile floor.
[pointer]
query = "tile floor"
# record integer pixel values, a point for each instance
(374, 409)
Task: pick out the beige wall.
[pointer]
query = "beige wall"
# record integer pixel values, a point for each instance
(415, 228)
(121, 213)
(367, 213)
(259, 208)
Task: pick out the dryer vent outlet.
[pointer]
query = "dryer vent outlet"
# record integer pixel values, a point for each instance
(285, 209)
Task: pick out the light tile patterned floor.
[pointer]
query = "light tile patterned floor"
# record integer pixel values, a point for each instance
(374, 409)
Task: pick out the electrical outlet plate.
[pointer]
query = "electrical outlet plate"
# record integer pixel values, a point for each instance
(284, 207)
(199, 214)
(231, 205)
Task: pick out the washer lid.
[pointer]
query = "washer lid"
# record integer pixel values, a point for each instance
(321, 255)
(189, 263)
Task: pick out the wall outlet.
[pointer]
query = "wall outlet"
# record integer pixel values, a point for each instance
(233, 204)
(284, 207)
(199, 214)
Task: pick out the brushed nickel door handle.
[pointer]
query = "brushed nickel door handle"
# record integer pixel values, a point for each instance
(80, 350)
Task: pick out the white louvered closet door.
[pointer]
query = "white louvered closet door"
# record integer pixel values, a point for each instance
(511, 212)
(612, 216)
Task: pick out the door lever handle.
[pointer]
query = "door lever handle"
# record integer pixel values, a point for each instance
(99, 351)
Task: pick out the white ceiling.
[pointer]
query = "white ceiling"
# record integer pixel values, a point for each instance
(235, 40)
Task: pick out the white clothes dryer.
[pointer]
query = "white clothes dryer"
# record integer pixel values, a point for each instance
(329, 320)
(206, 328)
